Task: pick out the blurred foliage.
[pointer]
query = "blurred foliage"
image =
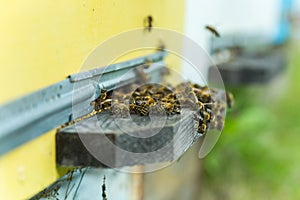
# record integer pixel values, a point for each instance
(258, 153)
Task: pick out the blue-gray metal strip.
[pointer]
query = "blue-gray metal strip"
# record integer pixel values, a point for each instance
(116, 67)
(30, 116)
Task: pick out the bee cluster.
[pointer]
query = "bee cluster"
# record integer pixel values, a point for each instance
(158, 99)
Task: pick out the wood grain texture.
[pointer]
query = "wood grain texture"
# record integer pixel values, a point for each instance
(125, 142)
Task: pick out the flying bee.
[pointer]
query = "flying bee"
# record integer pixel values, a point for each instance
(161, 46)
(229, 99)
(103, 187)
(147, 64)
(141, 75)
(148, 23)
(212, 30)
(165, 71)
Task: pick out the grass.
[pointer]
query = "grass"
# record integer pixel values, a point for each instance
(258, 154)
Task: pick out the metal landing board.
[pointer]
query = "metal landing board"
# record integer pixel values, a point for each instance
(26, 118)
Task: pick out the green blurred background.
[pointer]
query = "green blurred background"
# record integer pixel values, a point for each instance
(258, 153)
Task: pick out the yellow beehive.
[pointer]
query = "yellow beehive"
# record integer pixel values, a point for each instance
(43, 42)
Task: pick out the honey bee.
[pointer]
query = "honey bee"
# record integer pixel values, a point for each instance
(165, 71)
(149, 101)
(106, 104)
(196, 86)
(217, 122)
(229, 99)
(136, 94)
(103, 187)
(156, 96)
(161, 46)
(157, 109)
(202, 128)
(176, 110)
(212, 30)
(117, 96)
(188, 103)
(148, 23)
(169, 107)
(142, 110)
(200, 105)
(204, 97)
(222, 108)
(120, 110)
(147, 64)
(220, 125)
(141, 75)
(102, 97)
(206, 116)
(171, 98)
(163, 90)
(213, 124)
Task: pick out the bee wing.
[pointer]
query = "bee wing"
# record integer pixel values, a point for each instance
(209, 141)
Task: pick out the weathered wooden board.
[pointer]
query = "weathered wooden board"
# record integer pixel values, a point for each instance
(104, 140)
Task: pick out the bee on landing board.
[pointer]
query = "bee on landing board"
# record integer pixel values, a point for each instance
(202, 129)
(100, 99)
